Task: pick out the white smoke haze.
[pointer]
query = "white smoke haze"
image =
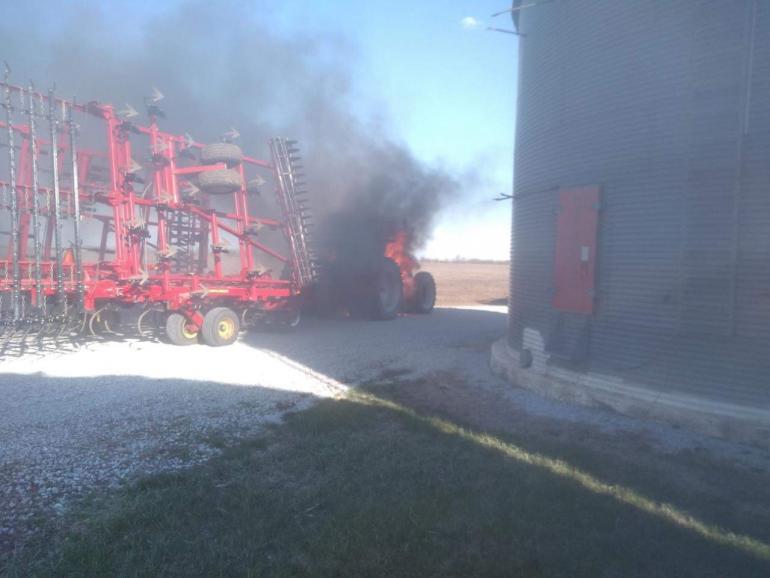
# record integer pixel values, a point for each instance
(220, 65)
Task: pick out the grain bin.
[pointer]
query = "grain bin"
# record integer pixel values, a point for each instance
(640, 272)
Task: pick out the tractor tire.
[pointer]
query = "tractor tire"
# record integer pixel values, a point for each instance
(220, 327)
(220, 182)
(222, 152)
(424, 293)
(179, 331)
(388, 292)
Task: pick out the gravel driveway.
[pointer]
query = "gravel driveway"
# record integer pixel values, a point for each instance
(112, 411)
(96, 417)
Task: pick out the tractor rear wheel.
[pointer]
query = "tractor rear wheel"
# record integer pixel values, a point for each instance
(220, 327)
(424, 293)
(220, 181)
(388, 292)
(180, 331)
(221, 152)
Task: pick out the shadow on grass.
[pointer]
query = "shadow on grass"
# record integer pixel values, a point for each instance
(366, 486)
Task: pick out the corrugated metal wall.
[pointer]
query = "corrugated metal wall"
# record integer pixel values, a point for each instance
(666, 105)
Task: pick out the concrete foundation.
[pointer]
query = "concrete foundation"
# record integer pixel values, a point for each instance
(728, 421)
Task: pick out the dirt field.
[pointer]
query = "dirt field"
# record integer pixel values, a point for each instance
(469, 283)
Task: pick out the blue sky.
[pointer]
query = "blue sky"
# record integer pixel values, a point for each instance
(449, 92)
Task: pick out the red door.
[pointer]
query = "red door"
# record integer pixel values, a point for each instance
(575, 263)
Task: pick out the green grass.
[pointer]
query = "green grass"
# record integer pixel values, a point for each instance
(367, 487)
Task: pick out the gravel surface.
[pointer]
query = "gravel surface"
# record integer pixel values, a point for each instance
(111, 411)
(96, 417)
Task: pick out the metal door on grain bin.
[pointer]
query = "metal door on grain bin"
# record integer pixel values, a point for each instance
(575, 261)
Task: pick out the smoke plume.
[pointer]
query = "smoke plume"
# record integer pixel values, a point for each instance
(220, 65)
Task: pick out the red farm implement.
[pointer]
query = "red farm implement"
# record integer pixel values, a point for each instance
(100, 215)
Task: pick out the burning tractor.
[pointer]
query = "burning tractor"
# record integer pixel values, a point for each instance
(376, 284)
(101, 214)
(418, 287)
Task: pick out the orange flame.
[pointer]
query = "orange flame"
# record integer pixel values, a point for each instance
(398, 250)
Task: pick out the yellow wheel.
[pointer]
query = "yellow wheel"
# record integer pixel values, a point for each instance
(180, 331)
(225, 329)
(220, 327)
(189, 331)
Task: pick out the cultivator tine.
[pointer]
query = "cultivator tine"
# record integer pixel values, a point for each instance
(13, 206)
(148, 325)
(286, 160)
(46, 334)
(6, 340)
(103, 322)
(20, 337)
(53, 122)
(35, 209)
(77, 249)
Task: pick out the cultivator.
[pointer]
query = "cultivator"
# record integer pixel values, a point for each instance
(100, 215)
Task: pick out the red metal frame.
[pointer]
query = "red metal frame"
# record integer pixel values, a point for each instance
(135, 217)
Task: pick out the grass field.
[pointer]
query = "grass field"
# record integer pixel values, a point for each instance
(367, 486)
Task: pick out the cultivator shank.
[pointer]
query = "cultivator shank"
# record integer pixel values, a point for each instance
(99, 213)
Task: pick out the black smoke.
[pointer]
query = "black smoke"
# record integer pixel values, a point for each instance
(221, 65)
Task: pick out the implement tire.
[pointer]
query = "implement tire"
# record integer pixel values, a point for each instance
(424, 293)
(222, 152)
(220, 327)
(220, 182)
(179, 330)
